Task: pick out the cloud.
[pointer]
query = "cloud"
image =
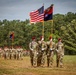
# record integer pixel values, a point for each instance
(20, 9)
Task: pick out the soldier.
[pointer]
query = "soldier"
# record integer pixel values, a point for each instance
(21, 49)
(13, 53)
(59, 53)
(33, 51)
(18, 52)
(42, 51)
(6, 52)
(50, 52)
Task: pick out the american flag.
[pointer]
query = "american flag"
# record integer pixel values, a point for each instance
(37, 16)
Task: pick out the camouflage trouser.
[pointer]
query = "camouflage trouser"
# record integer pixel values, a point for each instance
(14, 55)
(41, 58)
(6, 55)
(50, 56)
(33, 58)
(18, 55)
(10, 55)
(59, 60)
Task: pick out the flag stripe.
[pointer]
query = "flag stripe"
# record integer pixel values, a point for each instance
(37, 16)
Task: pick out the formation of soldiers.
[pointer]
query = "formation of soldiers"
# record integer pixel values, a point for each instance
(39, 50)
(12, 53)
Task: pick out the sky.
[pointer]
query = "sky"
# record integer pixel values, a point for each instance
(20, 9)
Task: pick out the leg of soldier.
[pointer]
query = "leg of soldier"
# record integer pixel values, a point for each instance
(48, 59)
(17, 55)
(21, 56)
(43, 58)
(32, 61)
(61, 61)
(57, 60)
(39, 59)
(14, 56)
(51, 57)
(10, 56)
(31, 58)
(4, 55)
(35, 58)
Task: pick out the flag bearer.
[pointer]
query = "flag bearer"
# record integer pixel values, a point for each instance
(50, 51)
(59, 53)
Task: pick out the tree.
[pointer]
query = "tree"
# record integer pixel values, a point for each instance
(69, 35)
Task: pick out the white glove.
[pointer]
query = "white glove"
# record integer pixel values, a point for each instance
(31, 49)
(56, 50)
(42, 49)
(50, 48)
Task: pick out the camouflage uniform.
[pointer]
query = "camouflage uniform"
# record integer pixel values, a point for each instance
(6, 52)
(50, 52)
(41, 52)
(1, 51)
(33, 51)
(13, 53)
(59, 53)
(21, 53)
(18, 53)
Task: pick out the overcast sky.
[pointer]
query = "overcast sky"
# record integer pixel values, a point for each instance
(20, 9)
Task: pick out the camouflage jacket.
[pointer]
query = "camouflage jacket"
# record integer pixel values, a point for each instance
(50, 45)
(42, 45)
(33, 45)
(60, 48)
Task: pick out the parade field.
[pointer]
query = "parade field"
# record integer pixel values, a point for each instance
(23, 67)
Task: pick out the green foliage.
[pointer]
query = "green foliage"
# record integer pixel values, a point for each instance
(63, 26)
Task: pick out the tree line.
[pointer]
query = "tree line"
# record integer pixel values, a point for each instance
(64, 27)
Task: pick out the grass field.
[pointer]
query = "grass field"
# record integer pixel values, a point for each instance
(23, 67)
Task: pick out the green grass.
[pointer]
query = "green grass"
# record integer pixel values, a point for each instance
(23, 67)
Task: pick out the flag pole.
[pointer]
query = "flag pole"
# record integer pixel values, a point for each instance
(12, 43)
(52, 22)
(51, 27)
(43, 29)
(43, 26)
